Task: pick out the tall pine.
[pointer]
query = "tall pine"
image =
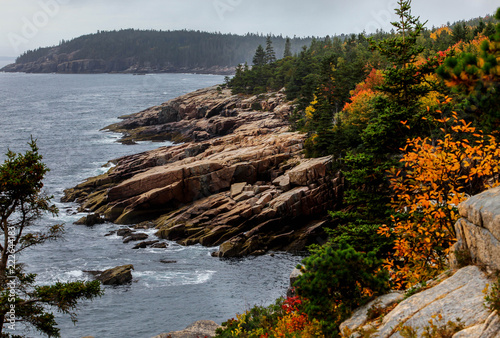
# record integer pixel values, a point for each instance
(270, 54)
(404, 84)
(288, 48)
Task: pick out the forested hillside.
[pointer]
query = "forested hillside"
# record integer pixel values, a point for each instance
(410, 118)
(140, 51)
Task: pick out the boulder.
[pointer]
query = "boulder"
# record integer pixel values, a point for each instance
(90, 220)
(116, 276)
(124, 232)
(459, 296)
(145, 244)
(478, 231)
(361, 316)
(201, 328)
(135, 237)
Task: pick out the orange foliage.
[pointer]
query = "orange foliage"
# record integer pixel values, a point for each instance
(294, 323)
(436, 177)
(373, 80)
(356, 111)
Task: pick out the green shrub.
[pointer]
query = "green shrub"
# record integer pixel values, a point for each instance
(338, 280)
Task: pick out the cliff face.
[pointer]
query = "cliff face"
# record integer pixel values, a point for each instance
(458, 293)
(239, 181)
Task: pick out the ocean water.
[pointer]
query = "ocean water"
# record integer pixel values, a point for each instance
(65, 114)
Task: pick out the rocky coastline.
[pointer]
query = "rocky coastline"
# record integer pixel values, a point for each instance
(66, 64)
(238, 181)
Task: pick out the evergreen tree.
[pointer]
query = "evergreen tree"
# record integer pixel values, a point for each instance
(270, 54)
(288, 48)
(460, 32)
(21, 204)
(404, 84)
(259, 59)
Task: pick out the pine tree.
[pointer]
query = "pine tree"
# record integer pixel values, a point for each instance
(288, 48)
(460, 32)
(270, 54)
(259, 59)
(404, 84)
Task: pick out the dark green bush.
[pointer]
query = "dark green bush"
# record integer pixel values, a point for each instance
(338, 280)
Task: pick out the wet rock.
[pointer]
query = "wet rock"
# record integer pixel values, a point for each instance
(90, 220)
(161, 245)
(135, 237)
(164, 261)
(119, 275)
(124, 232)
(145, 244)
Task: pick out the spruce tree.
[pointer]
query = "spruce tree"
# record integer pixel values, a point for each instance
(288, 48)
(259, 59)
(270, 54)
(404, 84)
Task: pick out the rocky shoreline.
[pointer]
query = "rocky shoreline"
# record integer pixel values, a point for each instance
(65, 64)
(239, 181)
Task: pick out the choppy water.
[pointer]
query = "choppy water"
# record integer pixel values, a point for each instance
(65, 114)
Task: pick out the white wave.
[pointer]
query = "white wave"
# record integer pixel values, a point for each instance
(52, 276)
(171, 278)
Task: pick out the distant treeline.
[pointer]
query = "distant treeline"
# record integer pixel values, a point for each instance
(183, 48)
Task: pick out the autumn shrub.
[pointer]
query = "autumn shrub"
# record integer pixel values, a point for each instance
(284, 318)
(255, 322)
(335, 281)
(437, 175)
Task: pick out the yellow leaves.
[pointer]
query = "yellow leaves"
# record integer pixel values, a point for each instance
(437, 33)
(311, 108)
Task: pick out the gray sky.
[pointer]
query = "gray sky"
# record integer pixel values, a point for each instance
(29, 24)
